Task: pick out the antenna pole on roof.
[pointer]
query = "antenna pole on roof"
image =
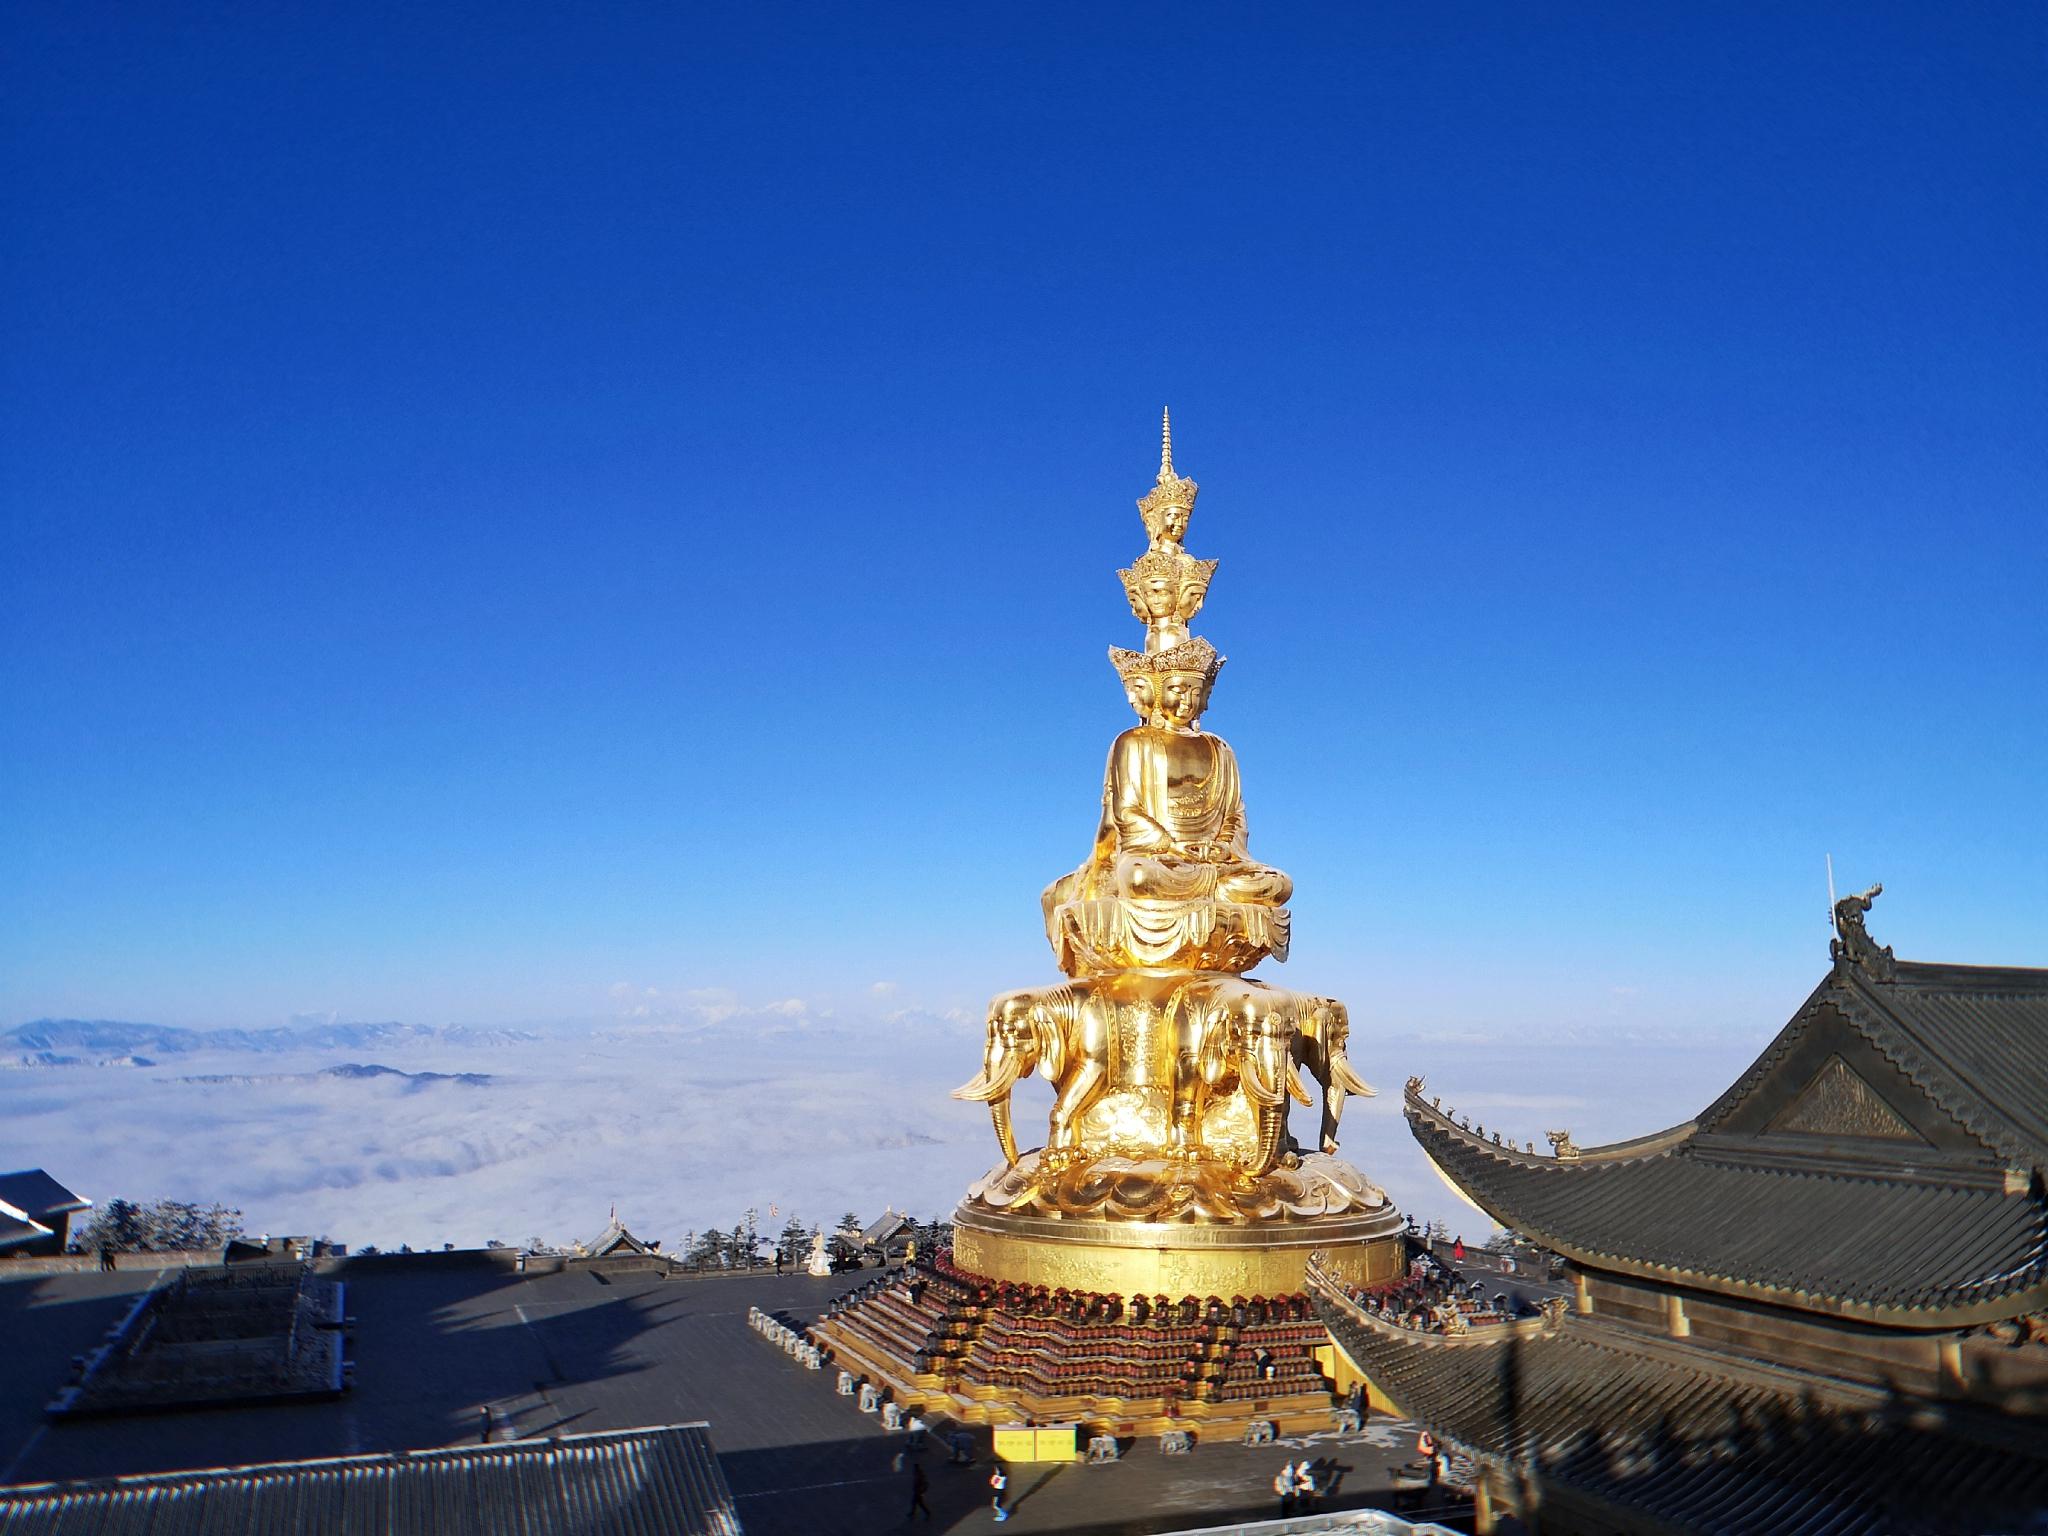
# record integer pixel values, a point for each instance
(1834, 926)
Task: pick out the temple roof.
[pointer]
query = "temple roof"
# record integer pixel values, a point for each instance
(1883, 1159)
(17, 1227)
(616, 1239)
(887, 1227)
(1650, 1428)
(619, 1481)
(33, 1191)
(1974, 1038)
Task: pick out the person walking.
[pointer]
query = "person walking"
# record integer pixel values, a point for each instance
(483, 1430)
(1305, 1487)
(998, 1484)
(1283, 1484)
(919, 1485)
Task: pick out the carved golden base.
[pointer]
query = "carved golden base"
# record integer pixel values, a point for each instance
(1176, 1259)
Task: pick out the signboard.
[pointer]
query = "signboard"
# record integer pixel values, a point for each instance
(1038, 1442)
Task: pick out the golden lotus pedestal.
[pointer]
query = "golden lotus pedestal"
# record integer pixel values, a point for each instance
(1246, 1237)
(1175, 1259)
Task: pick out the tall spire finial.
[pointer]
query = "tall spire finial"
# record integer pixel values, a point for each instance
(1166, 445)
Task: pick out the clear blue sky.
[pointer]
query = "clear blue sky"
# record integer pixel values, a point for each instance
(499, 503)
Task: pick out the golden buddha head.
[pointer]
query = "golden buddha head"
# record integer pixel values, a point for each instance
(1167, 507)
(1167, 587)
(1142, 690)
(1182, 698)
(1177, 680)
(1166, 512)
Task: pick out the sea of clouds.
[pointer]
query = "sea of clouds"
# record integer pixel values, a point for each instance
(685, 1112)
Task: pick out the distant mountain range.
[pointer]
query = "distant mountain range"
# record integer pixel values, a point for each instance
(110, 1042)
(349, 1069)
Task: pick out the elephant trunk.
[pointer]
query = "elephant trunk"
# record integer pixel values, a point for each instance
(1272, 1131)
(992, 1085)
(999, 1111)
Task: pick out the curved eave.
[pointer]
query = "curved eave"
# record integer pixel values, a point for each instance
(1476, 1156)
(1652, 1145)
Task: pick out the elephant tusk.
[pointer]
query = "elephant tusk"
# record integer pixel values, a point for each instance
(1259, 1088)
(1296, 1090)
(1342, 1076)
(989, 1085)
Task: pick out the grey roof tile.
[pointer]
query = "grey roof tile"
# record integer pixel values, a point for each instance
(1887, 1229)
(631, 1482)
(1690, 1446)
(1840, 1241)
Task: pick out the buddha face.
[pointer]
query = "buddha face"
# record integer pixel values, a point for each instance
(1173, 523)
(1159, 595)
(1140, 690)
(1182, 697)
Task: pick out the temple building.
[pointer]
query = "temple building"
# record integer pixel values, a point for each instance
(1820, 1306)
(36, 1213)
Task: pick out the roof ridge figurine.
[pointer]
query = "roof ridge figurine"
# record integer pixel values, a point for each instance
(1853, 945)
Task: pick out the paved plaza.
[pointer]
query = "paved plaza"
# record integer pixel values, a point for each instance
(437, 1339)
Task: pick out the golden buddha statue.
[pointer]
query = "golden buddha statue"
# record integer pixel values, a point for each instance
(1169, 881)
(1169, 875)
(1171, 1068)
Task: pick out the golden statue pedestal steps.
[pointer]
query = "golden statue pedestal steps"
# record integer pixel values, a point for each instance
(1169, 1171)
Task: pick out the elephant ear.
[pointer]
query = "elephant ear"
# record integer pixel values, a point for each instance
(1220, 1033)
(1049, 1032)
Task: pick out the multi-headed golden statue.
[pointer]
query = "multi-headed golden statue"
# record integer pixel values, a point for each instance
(1171, 1069)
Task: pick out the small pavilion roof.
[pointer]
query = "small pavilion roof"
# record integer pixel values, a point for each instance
(616, 1239)
(886, 1227)
(1883, 1159)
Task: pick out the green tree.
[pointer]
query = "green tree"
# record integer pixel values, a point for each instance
(850, 1222)
(794, 1242)
(118, 1225)
(164, 1226)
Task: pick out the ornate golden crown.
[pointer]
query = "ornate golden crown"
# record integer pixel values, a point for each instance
(1196, 655)
(1171, 490)
(1189, 578)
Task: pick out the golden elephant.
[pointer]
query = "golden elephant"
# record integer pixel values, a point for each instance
(1231, 1034)
(1063, 1033)
(1323, 1028)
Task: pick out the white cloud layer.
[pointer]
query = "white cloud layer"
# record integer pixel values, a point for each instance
(685, 1111)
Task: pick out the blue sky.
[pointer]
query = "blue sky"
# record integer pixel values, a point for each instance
(501, 504)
